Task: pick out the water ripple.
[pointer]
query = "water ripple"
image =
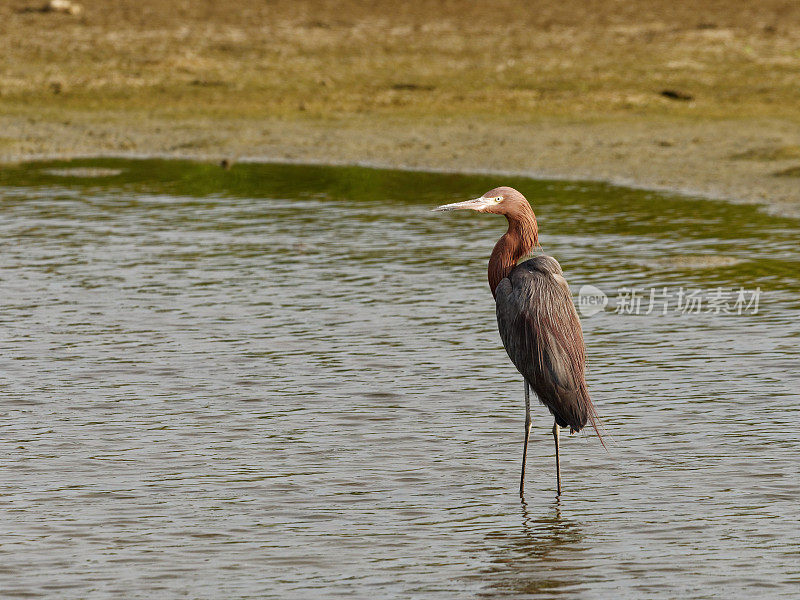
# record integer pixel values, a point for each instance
(285, 381)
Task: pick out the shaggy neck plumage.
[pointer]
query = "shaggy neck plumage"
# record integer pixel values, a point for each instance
(519, 241)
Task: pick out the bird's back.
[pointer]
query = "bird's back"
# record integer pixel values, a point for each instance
(542, 334)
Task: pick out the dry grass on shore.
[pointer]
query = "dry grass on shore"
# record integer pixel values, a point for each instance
(319, 59)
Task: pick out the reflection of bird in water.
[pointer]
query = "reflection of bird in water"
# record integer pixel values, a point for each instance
(526, 517)
(538, 556)
(538, 322)
(555, 519)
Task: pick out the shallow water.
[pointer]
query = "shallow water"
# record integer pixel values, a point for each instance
(286, 381)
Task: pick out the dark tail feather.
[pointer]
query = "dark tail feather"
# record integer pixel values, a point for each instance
(588, 413)
(597, 424)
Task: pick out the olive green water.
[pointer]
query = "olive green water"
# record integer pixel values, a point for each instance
(286, 382)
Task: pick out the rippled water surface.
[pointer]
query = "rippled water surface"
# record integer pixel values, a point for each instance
(286, 382)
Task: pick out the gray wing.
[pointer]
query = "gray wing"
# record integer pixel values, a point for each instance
(542, 334)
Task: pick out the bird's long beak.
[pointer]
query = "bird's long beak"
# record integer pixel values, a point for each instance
(478, 204)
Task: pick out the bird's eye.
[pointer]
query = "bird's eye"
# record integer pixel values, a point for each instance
(499, 198)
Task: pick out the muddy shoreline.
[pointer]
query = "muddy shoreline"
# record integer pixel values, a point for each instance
(662, 94)
(731, 160)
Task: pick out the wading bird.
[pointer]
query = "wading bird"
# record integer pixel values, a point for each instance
(538, 323)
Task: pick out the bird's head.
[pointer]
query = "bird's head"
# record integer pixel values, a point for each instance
(522, 236)
(500, 201)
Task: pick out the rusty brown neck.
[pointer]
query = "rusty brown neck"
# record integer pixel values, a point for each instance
(519, 241)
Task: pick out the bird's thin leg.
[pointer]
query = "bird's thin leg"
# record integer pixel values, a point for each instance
(558, 462)
(527, 433)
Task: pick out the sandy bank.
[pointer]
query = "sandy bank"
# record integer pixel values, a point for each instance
(673, 94)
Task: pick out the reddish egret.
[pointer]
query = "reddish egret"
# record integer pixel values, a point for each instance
(536, 317)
